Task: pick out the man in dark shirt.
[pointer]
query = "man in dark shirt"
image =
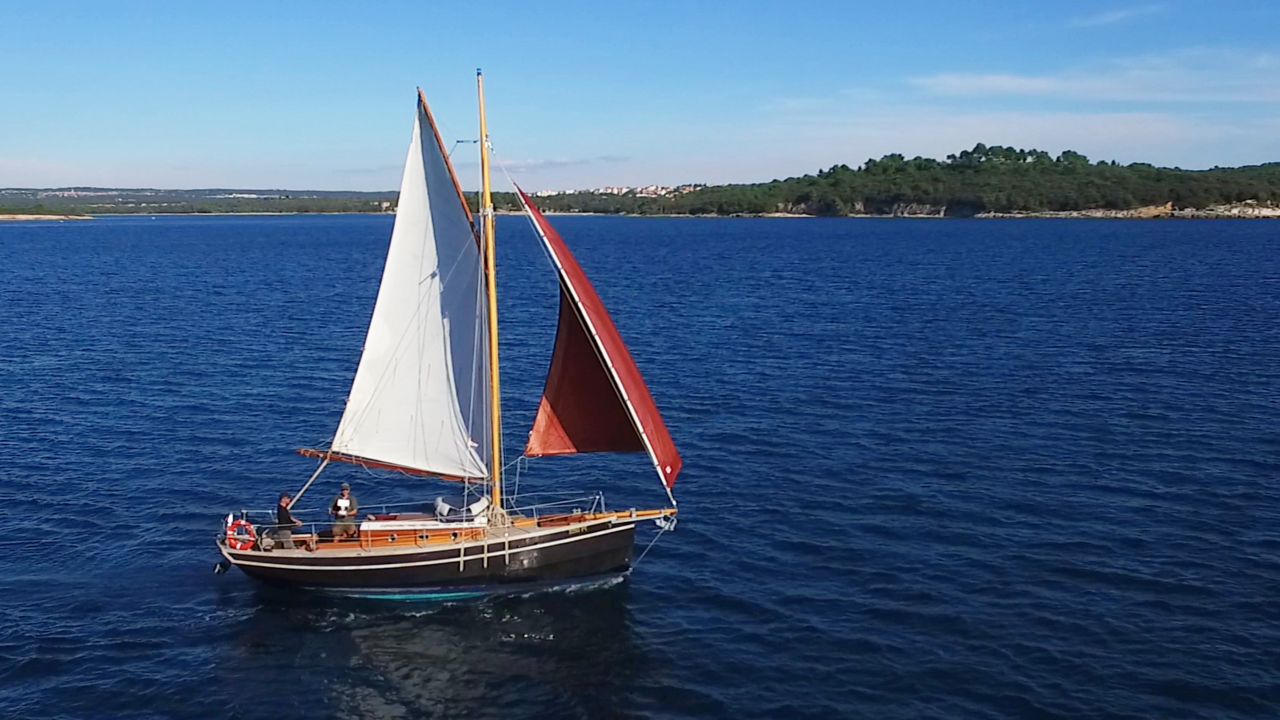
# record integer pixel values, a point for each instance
(285, 523)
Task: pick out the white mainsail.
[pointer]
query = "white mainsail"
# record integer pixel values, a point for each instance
(420, 398)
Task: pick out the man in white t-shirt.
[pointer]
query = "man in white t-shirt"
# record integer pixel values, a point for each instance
(343, 509)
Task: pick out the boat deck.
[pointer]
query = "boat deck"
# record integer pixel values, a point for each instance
(405, 533)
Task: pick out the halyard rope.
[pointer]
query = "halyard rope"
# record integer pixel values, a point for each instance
(661, 530)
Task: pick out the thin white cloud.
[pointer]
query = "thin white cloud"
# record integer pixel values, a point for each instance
(383, 170)
(850, 133)
(533, 166)
(1112, 17)
(263, 173)
(22, 172)
(936, 132)
(1201, 75)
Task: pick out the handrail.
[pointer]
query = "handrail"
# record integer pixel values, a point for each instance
(586, 503)
(323, 509)
(309, 533)
(576, 495)
(595, 502)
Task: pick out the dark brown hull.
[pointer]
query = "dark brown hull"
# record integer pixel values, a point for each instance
(499, 565)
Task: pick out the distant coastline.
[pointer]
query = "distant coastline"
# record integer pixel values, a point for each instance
(1248, 210)
(152, 201)
(985, 182)
(19, 217)
(1233, 211)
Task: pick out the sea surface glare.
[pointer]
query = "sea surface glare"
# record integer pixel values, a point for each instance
(951, 469)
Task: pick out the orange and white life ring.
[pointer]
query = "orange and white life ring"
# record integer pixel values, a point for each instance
(238, 540)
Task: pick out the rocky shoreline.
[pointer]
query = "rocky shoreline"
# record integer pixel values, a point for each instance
(1248, 209)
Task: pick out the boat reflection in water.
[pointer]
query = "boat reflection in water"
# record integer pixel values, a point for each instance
(557, 653)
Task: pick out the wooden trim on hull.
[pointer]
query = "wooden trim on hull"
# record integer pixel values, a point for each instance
(575, 552)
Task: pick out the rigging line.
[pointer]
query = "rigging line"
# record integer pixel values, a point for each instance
(463, 447)
(580, 312)
(461, 255)
(428, 299)
(546, 252)
(401, 343)
(527, 216)
(315, 475)
(588, 326)
(512, 489)
(650, 545)
(459, 258)
(442, 277)
(501, 438)
(480, 365)
(456, 143)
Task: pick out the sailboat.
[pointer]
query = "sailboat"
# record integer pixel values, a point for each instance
(425, 400)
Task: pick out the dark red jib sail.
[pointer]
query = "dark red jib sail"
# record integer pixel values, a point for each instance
(595, 399)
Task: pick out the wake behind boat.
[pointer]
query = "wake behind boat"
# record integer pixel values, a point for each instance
(425, 401)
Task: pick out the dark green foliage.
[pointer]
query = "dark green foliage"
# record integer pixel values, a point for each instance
(984, 179)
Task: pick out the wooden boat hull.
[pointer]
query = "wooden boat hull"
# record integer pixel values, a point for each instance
(500, 562)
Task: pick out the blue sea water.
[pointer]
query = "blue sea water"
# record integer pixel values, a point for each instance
(933, 469)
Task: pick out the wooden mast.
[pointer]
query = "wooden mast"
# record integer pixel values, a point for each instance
(486, 214)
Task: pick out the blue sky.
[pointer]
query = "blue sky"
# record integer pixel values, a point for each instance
(320, 95)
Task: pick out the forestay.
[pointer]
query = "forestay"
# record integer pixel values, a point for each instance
(595, 399)
(420, 398)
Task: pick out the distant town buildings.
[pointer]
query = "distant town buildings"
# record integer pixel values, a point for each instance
(644, 191)
(75, 192)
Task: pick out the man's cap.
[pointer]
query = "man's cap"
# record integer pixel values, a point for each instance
(346, 486)
(284, 495)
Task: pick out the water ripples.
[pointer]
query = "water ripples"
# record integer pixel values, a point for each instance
(933, 470)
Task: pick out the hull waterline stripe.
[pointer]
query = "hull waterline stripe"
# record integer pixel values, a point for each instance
(466, 591)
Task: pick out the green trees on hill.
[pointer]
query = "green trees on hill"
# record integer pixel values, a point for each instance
(984, 179)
